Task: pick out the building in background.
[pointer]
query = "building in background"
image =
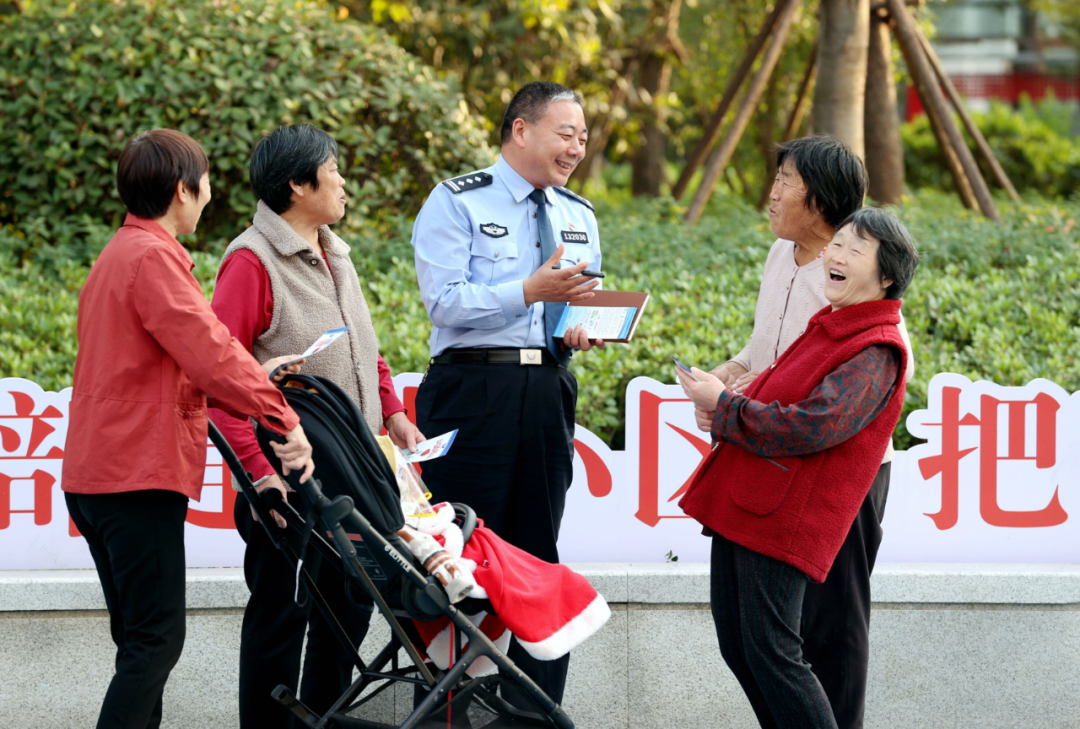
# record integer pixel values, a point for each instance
(1002, 50)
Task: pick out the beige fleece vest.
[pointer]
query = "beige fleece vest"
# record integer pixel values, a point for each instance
(309, 301)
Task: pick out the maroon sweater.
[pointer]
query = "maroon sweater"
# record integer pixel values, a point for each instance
(798, 509)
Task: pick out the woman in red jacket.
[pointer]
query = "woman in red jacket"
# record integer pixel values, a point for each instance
(793, 460)
(150, 352)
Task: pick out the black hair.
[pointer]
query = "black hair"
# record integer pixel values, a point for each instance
(289, 154)
(896, 254)
(151, 165)
(835, 177)
(531, 102)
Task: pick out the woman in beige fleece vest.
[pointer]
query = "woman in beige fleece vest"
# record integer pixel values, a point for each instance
(818, 184)
(282, 283)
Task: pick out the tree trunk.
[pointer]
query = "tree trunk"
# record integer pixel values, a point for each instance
(647, 166)
(839, 95)
(648, 161)
(884, 150)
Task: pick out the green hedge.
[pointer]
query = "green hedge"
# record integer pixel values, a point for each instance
(998, 302)
(79, 79)
(1036, 158)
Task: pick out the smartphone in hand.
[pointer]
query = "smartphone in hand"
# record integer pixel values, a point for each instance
(684, 368)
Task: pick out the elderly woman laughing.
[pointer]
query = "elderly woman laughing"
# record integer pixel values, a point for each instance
(793, 459)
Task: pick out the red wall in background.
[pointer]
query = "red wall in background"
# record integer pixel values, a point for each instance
(1006, 88)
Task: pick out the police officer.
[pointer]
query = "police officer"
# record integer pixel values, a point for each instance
(499, 253)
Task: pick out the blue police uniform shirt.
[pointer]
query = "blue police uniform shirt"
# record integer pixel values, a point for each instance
(475, 248)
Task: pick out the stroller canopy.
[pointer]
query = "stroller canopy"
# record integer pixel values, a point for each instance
(348, 460)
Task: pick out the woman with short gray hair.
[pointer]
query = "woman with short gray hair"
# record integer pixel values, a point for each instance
(819, 184)
(793, 462)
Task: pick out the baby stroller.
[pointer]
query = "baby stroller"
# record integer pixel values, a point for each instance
(353, 514)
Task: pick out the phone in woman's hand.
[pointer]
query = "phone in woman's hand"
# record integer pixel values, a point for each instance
(684, 368)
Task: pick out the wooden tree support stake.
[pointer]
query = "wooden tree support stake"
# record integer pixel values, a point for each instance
(791, 128)
(952, 162)
(746, 109)
(799, 110)
(926, 85)
(965, 117)
(716, 121)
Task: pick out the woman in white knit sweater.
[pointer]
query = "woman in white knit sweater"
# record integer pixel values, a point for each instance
(818, 184)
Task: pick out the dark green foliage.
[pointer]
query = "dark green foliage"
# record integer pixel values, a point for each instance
(492, 47)
(77, 80)
(990, 302)
(1036, 158)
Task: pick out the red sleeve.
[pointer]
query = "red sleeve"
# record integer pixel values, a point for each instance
(174, 312)
(243, 299)
(840, 406)
(244, 302)
(389, 398)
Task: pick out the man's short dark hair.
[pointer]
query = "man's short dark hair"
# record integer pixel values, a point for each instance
(896, 254)
(150, 166)
(531, 102)
(835, 177)
(289, 154)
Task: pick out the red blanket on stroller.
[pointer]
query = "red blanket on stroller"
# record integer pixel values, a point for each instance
(549, 608)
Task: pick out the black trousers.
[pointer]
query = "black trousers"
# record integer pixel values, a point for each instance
(836, 613)
(757, 606)
(137, 542)
(272, 635)
(512, 462)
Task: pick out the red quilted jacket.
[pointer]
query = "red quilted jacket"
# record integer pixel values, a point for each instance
(799, 509)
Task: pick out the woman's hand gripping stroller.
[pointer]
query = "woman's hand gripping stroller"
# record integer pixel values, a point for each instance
(295, 453)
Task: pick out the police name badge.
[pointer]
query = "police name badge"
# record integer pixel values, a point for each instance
(574, 236)
(493, 230)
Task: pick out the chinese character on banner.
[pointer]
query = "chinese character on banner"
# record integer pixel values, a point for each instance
(33, 426)
(989, 428)
(215, 505)
(667, 454)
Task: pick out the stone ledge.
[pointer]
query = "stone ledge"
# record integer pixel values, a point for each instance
(650, 584)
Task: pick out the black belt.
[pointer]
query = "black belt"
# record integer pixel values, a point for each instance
(497, 355)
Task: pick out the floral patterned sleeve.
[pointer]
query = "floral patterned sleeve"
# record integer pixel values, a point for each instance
(849, 398)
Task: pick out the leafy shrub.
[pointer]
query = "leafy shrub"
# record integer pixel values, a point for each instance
(1035, 157)
(997, 302)
(1061, 116)
(79, 79)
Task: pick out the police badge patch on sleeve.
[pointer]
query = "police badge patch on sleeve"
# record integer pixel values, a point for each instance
(493, 230)
(574, 236)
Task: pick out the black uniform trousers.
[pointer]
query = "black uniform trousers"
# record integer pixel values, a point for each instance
(272, 634)
(836, 613)
(757, 606)
(137, 541)
(512, 462)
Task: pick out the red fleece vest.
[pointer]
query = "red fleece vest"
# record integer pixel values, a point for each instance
(800, 511)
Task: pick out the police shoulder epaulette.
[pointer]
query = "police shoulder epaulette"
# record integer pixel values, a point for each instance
(575, 196)
(470, 181)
